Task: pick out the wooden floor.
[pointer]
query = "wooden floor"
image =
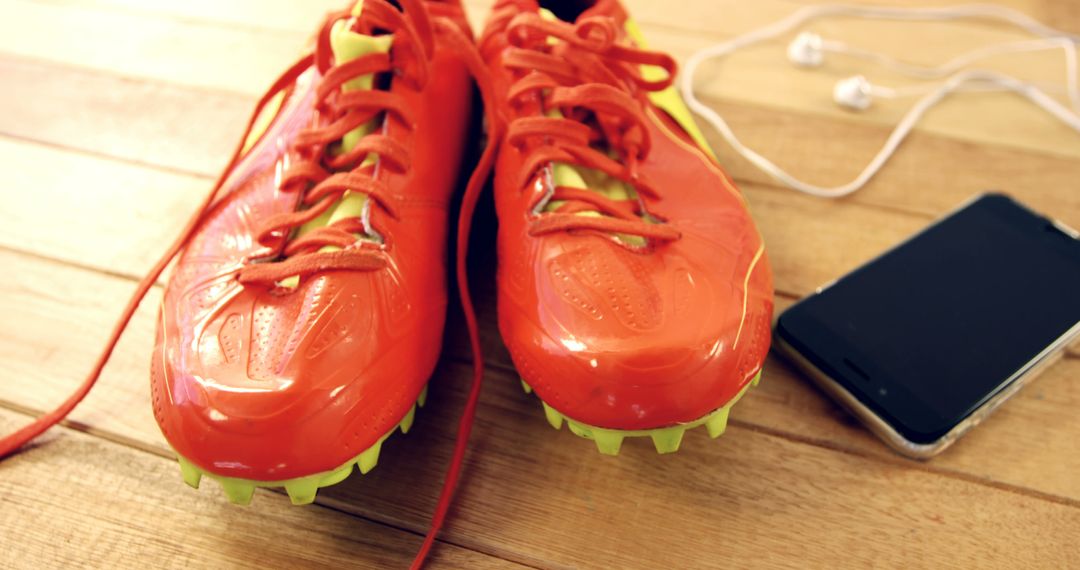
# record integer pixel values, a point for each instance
(117, 114)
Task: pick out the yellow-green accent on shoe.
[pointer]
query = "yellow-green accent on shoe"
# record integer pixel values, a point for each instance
(301, 490)
(666, 439)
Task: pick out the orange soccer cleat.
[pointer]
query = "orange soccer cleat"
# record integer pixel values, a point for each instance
(635, 296)
(305, 316)
(306, 310)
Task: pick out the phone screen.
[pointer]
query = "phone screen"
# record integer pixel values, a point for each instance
(925, 334)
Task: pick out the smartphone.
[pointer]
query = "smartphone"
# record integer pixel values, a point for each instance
(922, 343)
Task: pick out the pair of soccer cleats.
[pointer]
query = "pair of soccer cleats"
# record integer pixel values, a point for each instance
(305, 313)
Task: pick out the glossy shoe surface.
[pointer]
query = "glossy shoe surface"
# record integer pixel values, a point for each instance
(289, 347)
(647, 308)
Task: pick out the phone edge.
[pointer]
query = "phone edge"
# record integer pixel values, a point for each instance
(893, 438)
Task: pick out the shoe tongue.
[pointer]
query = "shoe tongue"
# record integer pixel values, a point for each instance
(581, 177)
(348, 45)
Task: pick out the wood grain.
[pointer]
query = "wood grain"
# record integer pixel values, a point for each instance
(192, 131)
(73, 500)
(533, 495)
(1038, 426)
(125, 110)
(147, 122)
(245, 59)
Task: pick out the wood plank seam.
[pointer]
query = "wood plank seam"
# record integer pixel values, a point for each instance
(134, 445)
(927, 467)
(764, 183)
(764, 430)
(106, 157)
(193, 21)
(782, 401)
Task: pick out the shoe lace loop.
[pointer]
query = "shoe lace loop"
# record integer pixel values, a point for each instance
(321, 176)
(595, 84)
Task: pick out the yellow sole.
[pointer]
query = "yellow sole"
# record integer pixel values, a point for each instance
(666, 440)
(301, 490)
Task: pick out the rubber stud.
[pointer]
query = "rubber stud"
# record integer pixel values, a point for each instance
(337, 476)
(192, 475)
(554, 418)
(667, 440)
(526, 387)
(579, 429)
(756, 380)
(238, 492)
(420, 401)
(369, 458)
(717, 422)
(302, 491)
(407, 421)
(607, 441)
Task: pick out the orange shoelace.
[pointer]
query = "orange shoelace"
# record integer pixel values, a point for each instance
(320, 188)
(596, 84)
(321, 178)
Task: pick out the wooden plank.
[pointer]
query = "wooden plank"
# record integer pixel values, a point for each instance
(57, 311)
(142, 121)
(1022, 444)
(570, 506)
(79, 501)
(82, 209)
(161, 126)
(695, 17)
(811, 241)
(532, 495)
(707, 17)
(245, 59)
(763, 75)
(750, 498)
(279, 15)
(194, 131)
(930, 175)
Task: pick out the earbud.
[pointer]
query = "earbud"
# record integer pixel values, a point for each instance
(806, 50)
(854, 93)
(857, 93)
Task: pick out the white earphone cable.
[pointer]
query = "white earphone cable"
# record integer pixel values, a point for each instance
(981, 80)
(960, 62)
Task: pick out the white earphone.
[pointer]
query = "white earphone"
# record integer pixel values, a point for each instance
(808, 50)
(858, 93)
